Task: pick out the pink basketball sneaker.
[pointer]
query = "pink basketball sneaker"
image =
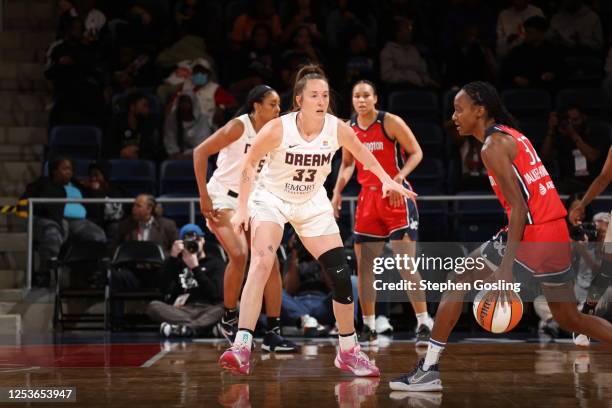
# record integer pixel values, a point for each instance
(356, 362)
(236, 360)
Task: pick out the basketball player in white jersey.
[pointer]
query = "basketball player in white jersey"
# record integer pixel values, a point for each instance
(218, 202)
(300, 146)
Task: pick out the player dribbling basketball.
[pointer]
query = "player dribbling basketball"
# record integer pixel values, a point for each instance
(535, 220)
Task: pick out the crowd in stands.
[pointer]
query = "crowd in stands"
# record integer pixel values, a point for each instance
(151, 79)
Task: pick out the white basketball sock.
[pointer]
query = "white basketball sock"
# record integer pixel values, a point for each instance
(348, 341)
(370, 321)
(243, 337)
(424, 318)
(433, 353)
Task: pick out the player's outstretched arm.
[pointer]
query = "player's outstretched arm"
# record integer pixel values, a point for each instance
(213, 144)
(598, 185)
(268, 138)
(497, 155)
(348, 139)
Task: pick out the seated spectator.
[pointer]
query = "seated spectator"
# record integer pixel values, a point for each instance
(132, 69)
(470, 59)
(348, 17)
(258, 11)
(258, 61)
(192, 284)
(577, 28)
(298, 13)
(510, 21)
(54, 224)
(302, 43)
(462, 13)
(95, 20)
(144, 226)
(212, 98)
(401, 63)
(134, 134)
(105, 215)
(71, 67)
(307, 298)
(536, 63)
(143, 30)
(185, 128)
(359, 61)
(577, 147)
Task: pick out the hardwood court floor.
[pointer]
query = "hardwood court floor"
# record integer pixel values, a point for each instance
(186, 374)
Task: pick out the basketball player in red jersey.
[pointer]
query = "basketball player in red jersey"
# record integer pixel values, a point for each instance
(378, 219)
(535, 220)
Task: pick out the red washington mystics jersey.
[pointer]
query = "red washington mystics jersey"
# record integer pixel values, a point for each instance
(389, 153)
(540, 194)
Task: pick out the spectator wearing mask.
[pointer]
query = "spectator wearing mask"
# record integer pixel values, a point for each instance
(212, 98)
(54, 224)
(185, 128)
(536, 63)
(578, 148)
(134, 134)
(401, 63)
(192, 283)
(510, 33)
(577, 28)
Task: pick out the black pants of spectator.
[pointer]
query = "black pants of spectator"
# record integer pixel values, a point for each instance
(125, 280)
(200, 317)
(50, 236)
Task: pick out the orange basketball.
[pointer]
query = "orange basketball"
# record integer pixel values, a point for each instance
(492, 315)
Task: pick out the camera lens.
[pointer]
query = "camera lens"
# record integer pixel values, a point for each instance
(192, 246)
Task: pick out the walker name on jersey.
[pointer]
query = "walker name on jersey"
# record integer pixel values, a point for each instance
(374, 146)
(307, 159)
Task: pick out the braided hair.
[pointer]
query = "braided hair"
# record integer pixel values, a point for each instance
(485, 95)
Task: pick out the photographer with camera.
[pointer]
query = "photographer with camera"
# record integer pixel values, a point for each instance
(577, 147)
(193, 288)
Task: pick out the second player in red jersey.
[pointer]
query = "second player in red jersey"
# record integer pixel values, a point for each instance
(379, 219)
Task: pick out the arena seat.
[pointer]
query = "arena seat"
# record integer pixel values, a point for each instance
(430, 137)
(177, 176)
(78, 142)
(477, 221)
(428, 177)
(592, 100)
(414, 105)
(135, 176)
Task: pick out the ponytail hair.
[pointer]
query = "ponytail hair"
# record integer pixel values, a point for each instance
(256, 95)
(485, 95)
(311, 71)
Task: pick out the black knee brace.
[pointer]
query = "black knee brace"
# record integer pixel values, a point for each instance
(334, 263)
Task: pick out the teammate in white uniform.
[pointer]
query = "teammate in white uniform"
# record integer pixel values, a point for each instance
(219, 200)
(300, 147)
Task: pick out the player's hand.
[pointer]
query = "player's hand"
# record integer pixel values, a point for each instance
(504, 273)
(393, 186)
(240, 221)
(206, 207)
(576, 215)
(336, 203)
(395, 199)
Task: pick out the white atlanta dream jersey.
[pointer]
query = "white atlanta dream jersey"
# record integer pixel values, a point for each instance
(297, 169)
(231, 157)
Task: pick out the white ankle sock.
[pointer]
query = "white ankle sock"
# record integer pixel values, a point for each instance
(243, 337)
(433, 353)
(423, 318)
(347, 342)
(370, 321)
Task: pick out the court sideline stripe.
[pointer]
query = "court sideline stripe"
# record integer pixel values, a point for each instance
(155, 358)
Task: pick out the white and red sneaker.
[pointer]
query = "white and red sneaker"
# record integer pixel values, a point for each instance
(236, 360)
(357, 362)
